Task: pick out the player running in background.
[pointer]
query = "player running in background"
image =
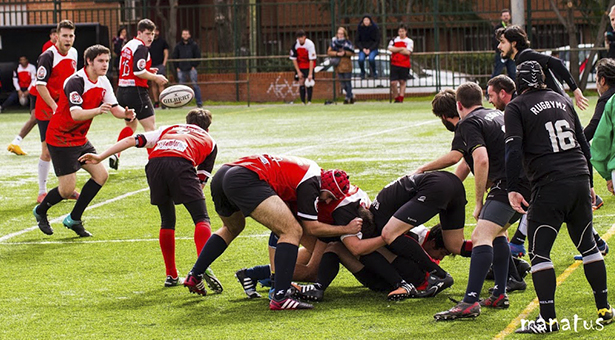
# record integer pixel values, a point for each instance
(24, 80)
(261, 186)
(303, 55)
(173, 179)
(55, 65)
(87, 94)
(135, 70)
(545, 138)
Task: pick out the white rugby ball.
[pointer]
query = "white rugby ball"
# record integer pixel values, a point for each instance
(176, 96)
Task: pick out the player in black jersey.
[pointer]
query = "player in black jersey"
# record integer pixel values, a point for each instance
(543, 132)
(514, 45)
(479, 139)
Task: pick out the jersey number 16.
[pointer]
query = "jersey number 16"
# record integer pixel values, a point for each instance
(561, 139)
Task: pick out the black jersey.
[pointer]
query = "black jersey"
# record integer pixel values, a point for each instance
(482, 128)
(551, 136)
(553, 68)
(434, 192)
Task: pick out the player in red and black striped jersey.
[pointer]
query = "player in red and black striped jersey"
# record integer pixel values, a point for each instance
(56, 64)
(87, 94)
(545, 136)
(262, 187)
(303, 55)
(401, 48)
(135, 70)
(172, 177)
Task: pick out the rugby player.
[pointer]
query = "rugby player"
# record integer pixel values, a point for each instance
(135, 70)
(87, 94)
(545, 136)
(172, 178)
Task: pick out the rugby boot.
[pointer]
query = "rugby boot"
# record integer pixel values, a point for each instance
(460, 311)
(248, 285)
(195, 284)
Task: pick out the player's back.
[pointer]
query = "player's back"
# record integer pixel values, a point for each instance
(186, 141)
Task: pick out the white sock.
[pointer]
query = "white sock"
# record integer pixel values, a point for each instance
(43, 174)
(17, 140)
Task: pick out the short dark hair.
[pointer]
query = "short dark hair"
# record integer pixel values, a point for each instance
(94, 51)
(515, 33)
(402, 25)
(444, 104)
(605, 69)
(502, 82)
(368, 229)
(469, 94)
(146, 24)
(120, 29)
(53, 30)
(435, 233)
(65, 24)
(300, 33)
(199, 117)
(505, 10)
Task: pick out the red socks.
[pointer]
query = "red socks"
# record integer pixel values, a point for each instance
(167, 245)
(202, 232)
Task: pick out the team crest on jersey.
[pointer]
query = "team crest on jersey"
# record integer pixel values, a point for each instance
(41, 73)
(141, 64)
(75, 98)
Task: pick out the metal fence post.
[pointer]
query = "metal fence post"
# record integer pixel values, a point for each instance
(437, 44)
(528, 28)
(334, 33)
(237, 51)
(57, 8)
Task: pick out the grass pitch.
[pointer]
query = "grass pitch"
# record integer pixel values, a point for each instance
(111, 286)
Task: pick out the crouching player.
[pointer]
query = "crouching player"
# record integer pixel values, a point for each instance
(87, 94)
(172, 179)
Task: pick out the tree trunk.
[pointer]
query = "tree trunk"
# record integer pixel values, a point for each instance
(598, 42)
(224, 26)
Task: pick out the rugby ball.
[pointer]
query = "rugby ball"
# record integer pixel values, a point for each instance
(176, 96)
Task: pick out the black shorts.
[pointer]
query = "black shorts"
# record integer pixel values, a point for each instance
(235, 188)
(32, 100)
(399, 73)
(66, 159)
(416, 199)
(137, 98)
(306, 73)
(498, 212)
(42, 128)
(172, 178)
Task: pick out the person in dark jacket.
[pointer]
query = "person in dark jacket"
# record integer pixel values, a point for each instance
(498, 62)
(367, 42)
(188, 49)
(118, 42)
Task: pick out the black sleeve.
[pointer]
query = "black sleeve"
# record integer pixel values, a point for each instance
(343, 215)
(472, 135)
(175, 55)
(139, 62)
(578, 129)
(514, 147)
(74, 91)
(590, 129)
(307, 199)
(560, 71)
(45, 65)
(376, 37)
(457, 144)
(208, 164)
(196, 53)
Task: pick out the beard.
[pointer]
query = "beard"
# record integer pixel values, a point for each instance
(448, 125)
(506, 55)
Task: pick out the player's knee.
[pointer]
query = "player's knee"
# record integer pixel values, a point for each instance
(389, 235)
(291, 231)
(101, 177)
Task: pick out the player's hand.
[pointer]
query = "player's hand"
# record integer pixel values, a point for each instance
(310, 77)
(130, 113)
(341, 53)
(593, 195)
(105, 107)
(582, 102)
(90, 158)
(477, 210)
(161, 80)
(517, 202)
(300, 74)
(609, 186)
(54, 107)
(154, 70)
(354, 226)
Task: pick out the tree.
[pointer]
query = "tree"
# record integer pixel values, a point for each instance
(169, 22)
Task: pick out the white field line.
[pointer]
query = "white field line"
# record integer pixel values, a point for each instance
(359, 137)
(17, 233)
(116, 241)
(530, 308)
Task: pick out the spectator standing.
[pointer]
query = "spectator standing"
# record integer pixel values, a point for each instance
(188, 49)
(118, 42)
(340, 51)
(367, 42)
(401, 47)
(498, 61)
(609, 35)
(159, 52)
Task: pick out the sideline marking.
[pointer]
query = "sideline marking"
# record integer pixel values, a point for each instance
(513, 325)
(58, 219)
(117, 241)
(362, 136)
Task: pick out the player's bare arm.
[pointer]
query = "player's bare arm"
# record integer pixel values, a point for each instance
(44, 94)
(449, 159)
(581, 101)
(157, 78)
(320, 229)
(481, 172)
(296, 65)
(91, 158)
(311, 73)
(360, 247)
(123, 112)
